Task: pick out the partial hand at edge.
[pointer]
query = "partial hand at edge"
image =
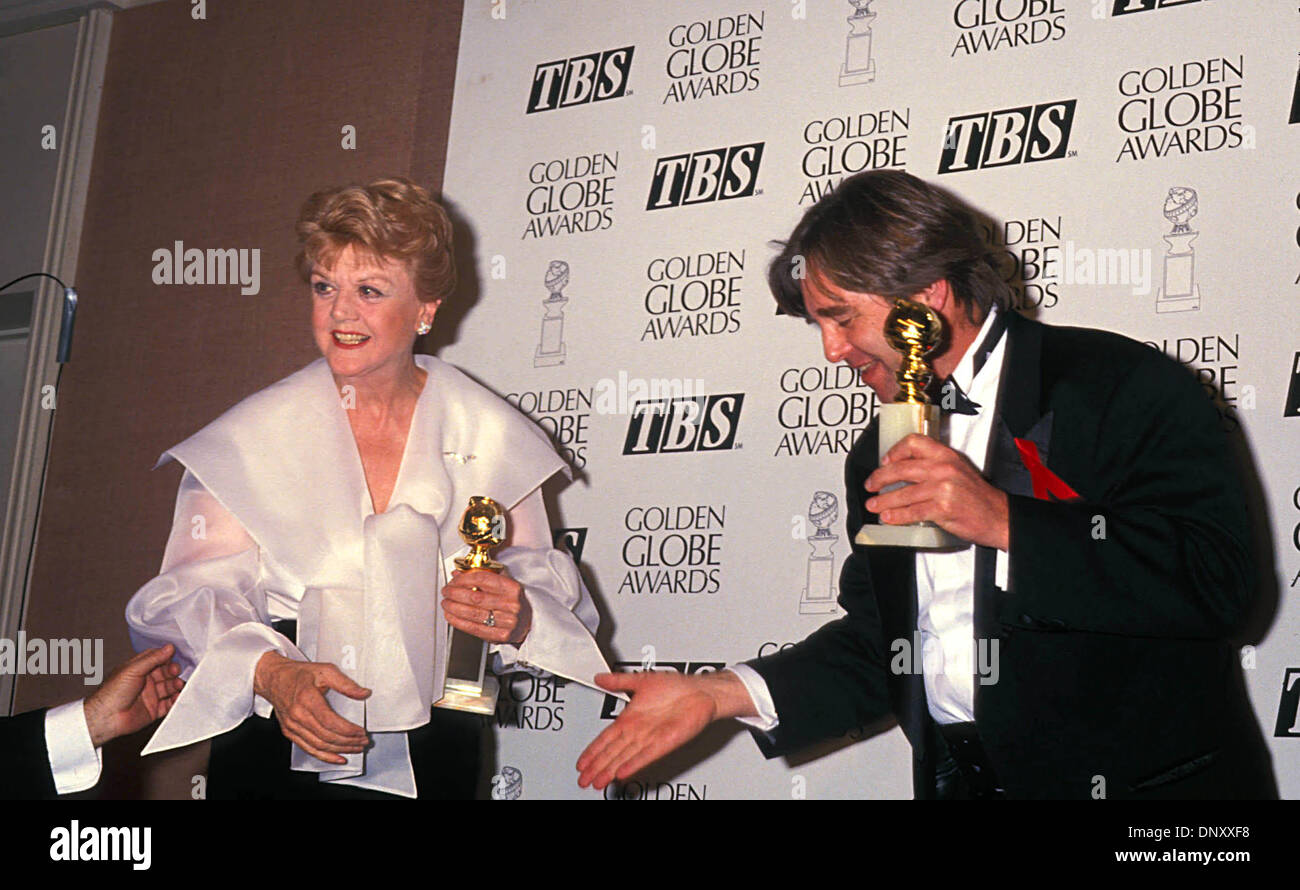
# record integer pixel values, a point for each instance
(667, 711)
(136, 693)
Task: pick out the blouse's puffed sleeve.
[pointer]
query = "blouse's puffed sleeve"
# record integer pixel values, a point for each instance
(208, 602)
(564, 615)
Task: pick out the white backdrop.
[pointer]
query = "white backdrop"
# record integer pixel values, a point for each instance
(581, 134)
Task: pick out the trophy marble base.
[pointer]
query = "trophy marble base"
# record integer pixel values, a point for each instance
(1184, 302)
(816, 606)
(858, 65)
(897, 421)
(818, 598)
(465, 696)
(922, 536)
(469, 685)
(1180, 292)
(865, 75)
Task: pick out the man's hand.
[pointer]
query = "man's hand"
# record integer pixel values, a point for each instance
(296, 689)
(667, 711)
(136, 693)
(947, 491)
(472, 597)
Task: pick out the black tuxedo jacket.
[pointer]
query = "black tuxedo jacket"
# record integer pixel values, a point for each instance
(1116, 674)
(24, 760)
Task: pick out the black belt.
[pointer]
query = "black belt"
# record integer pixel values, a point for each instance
(966, 753)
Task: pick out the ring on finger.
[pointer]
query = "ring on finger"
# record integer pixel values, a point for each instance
(491, 619)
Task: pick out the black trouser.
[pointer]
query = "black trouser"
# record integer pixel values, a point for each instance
(964, 771)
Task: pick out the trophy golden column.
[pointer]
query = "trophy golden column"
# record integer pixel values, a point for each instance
(914, 330)
(469, 687)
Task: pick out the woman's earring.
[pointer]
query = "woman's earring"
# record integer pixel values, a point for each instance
(424, 328)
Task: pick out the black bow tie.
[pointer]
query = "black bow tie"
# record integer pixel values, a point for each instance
(947, 394)
(951, 399)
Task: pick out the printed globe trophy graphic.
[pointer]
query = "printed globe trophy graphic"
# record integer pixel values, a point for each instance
(469, 687)
(1180, 292)
(550, 351)
(914, 330)
(508, 784)
(858, 65)
(818, 597)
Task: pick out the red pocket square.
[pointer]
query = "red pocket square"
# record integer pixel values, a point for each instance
(1045, 481)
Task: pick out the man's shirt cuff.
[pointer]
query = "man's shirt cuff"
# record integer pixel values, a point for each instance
(756, 686)
(75, 762)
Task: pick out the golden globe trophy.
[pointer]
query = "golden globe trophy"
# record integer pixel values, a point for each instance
(914, 330)
(469, 687)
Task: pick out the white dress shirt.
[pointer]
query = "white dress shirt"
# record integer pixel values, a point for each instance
(945, 580)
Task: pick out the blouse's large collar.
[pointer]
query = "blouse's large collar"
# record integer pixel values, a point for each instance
(285, 463)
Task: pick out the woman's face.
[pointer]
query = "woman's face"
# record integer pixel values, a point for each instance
(365, 313)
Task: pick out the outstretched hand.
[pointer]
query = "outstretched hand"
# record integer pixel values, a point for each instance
(667, 711)
(296, 689)
(136, 693)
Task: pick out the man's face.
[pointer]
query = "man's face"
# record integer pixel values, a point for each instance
(853, 331)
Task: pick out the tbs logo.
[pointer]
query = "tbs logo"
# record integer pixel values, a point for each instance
(1292, 408)
(572, 540)
(1288, 709)
(703, 423)
(703, 176)
(1124, 7)
(1010, 136)
(582, 79)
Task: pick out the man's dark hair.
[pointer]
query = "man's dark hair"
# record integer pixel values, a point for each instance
(885, 232)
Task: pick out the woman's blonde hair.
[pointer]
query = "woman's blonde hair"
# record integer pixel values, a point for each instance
(390, 219)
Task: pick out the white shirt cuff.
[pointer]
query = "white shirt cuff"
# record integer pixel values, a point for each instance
(1000, 569)
(756, 686)
(74, 760)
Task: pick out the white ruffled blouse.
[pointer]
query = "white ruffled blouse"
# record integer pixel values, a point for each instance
(274, 521)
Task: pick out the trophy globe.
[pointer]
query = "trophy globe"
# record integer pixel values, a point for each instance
(822, 513)
(1180, 207)
(557, 277)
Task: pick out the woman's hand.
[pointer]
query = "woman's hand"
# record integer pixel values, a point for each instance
(296, 689)
(488, 605)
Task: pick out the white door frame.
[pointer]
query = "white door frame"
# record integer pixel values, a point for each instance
(62, 245)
